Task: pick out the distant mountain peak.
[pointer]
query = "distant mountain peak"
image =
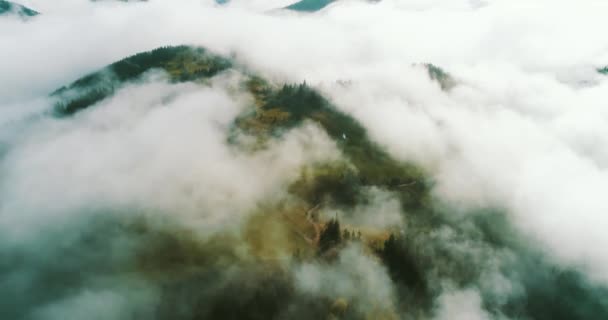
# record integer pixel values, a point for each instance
(309, 5)
(7, 7)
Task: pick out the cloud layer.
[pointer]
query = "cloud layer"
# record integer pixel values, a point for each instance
(523, 133)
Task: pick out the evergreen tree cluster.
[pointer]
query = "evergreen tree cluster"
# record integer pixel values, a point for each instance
(284, 108)
(309, 5)
(443, 78)
(8, 7)
(183, 63)
(402, 265)
(330, 236)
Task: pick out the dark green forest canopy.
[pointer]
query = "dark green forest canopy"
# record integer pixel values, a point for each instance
(279, 109)
(410, 258)
(603, 70)
(182, 63)
(309, 5)
(313, 5)
(7, 7)
(444, 79)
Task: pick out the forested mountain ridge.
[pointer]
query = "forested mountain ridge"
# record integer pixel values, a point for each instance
(7, 7)
(418, 259)
(309, 5)
(181, 63)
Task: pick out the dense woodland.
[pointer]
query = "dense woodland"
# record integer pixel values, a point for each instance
(309, 5)
(182, 63)
(7, 7)
(260, 289)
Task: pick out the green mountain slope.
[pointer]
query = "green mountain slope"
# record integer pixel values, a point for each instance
(309, 5)
(182, 63)
(419, 259)
(444, 79)
(7, 7)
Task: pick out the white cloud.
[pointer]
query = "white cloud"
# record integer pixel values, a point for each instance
(524, 130)
(461, 305)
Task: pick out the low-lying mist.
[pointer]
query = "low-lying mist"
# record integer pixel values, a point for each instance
(392, 159)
